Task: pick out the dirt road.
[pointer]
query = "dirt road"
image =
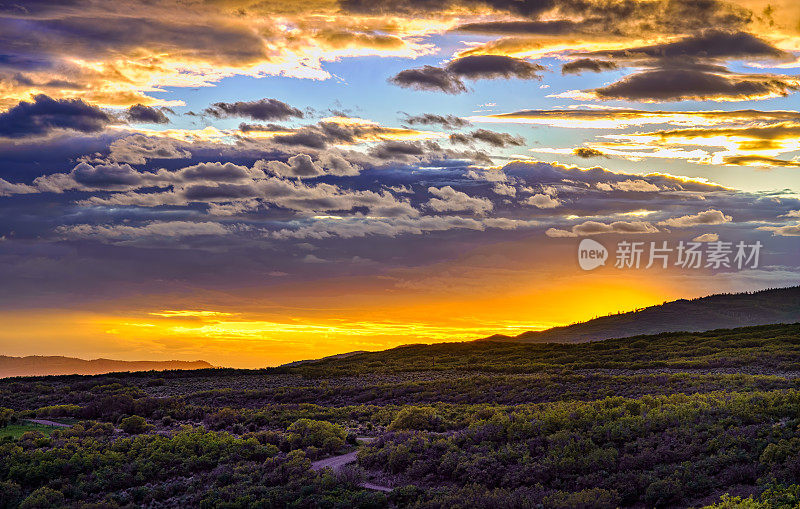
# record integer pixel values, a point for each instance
(45, 422)
(337, 462)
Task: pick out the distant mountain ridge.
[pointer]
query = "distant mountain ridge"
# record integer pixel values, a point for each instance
(37, 365)
(721, 311)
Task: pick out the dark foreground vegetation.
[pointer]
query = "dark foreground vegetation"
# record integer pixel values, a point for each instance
(672, 420)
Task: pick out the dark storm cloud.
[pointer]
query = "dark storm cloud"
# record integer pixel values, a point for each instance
(147, 114)
(323, 134)
(493, 67)
(392, 149)
(471, 67)
(695, 84)
(526, 7)
(587, 64)
(264, 109)
(429, 78)
(89, 34)
(617, 18)
(246, 128)
(522, 27)
(693, 11)
(491, 137)
(446, 121)
(310, 138)
(587, 152)
(44, 115)
(709, 44)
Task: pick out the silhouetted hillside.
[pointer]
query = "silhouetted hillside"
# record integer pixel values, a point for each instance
(37, 365)
(723, 311)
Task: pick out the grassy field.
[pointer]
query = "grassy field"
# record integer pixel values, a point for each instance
(17, 430)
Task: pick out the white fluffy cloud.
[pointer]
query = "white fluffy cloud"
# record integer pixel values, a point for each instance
(448, 199)
(706, 217)
(542, 201)
(597, 228)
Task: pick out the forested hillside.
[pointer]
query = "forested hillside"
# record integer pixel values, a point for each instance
(779, 305)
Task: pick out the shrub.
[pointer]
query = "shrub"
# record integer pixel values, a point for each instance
(134, 425)
(42, 498)
(6, 414)
(594, 498)
(222, 419)
(416, 418)
(10, 494)
(308, 432)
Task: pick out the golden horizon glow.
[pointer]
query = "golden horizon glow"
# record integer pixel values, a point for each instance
(248, 338)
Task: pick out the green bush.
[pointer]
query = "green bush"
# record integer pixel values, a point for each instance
(134, 425)
(308, 432)
(6, 414)
(42, 498)
(416, 418)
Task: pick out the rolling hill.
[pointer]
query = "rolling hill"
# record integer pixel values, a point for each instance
(37, 365)
(722, 311)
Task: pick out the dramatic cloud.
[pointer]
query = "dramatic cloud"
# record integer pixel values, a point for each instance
(757, 145)
(493, 138)
(587, 64)
(448, 199)
(522, 27)
(84, 176)
(300, 166)
(493, 67)
(429, 78)
(400, 149)
(636, 186)
(9, 188)
(706, 237)
(147, 114)
(44, 115)
(263, 109)
(615, 118)
(138, 149)
(542, 201)
(471, 67)
(332, 131)
(783, 231)
(759, 161)
(348, 228)
(597, 228)
(446, 121)
(153, 229)
(708, 44)
(587, 153)
(660, 85)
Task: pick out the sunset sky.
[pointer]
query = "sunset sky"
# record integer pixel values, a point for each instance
(255, 182)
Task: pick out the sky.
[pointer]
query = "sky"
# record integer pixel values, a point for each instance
(257, 182)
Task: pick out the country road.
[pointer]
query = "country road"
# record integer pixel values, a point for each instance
(337, 462)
